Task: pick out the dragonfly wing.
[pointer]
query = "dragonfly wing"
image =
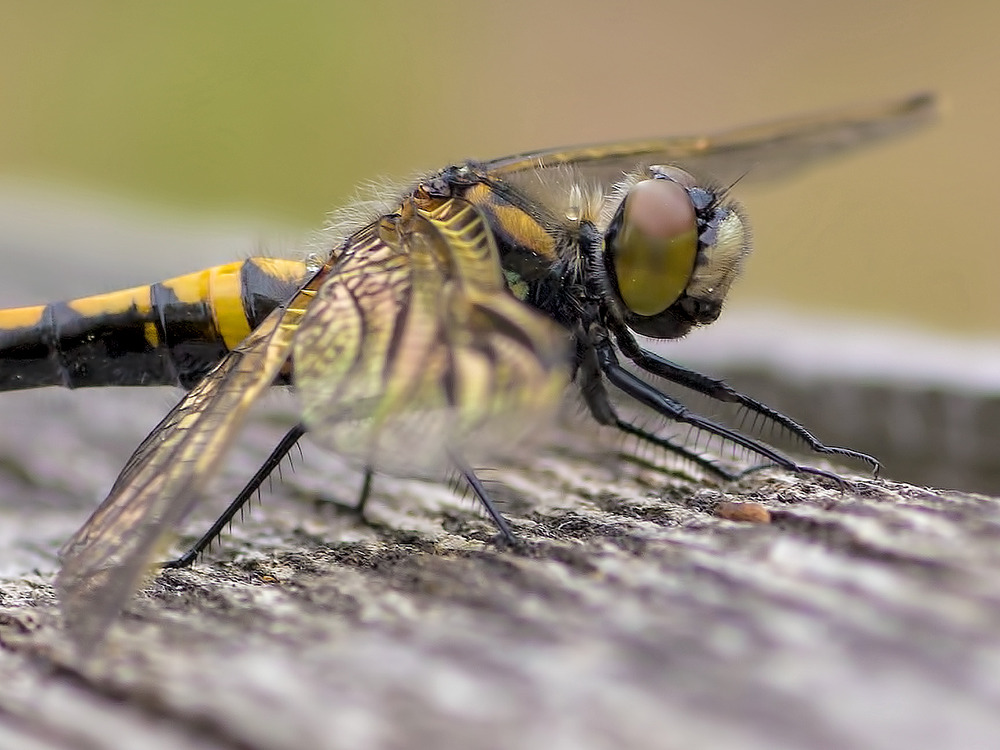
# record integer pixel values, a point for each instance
(106, 560)
(767, 151)
(414, 348)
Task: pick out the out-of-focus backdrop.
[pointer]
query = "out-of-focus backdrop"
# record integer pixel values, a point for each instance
(261, 117)
(276, 112)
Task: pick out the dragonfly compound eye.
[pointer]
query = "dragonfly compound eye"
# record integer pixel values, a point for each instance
(655, 248)
(673, 249)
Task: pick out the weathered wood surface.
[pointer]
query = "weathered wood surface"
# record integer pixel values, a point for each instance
(633, 617)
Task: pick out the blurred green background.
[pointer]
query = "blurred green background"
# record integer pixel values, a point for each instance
(275, 112)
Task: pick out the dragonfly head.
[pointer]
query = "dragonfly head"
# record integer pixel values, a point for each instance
(673, 249)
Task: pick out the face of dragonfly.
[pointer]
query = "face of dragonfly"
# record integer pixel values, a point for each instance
(673, 248)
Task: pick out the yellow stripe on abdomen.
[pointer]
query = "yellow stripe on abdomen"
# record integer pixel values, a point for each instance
(225, 291)
(172, 332)
(21, 317)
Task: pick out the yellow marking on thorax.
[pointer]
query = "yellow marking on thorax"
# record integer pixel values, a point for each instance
(516, 285)
(518, 225)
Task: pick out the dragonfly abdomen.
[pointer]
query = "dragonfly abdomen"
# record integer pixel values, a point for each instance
(170, 333)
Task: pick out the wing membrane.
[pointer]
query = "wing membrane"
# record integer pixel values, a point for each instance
(422, 344)
(105, 561)
(769, 151)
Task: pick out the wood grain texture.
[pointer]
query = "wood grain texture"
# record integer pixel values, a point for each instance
(633, 616)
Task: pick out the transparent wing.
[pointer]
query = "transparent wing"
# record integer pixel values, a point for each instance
(766, 151)
(414, 349)
(105, 561)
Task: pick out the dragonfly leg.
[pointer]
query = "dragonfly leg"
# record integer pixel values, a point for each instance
(477, 487)
(595, 395)
(686, 454)
(359, 505)
(366, 491)
(272, 461)
(720, 391)
(662, 404)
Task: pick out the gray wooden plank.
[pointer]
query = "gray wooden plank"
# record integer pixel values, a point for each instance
(635, 617)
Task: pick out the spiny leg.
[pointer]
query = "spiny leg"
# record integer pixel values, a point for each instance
(595, 395)
(484, 498)
(272, 461)
(720, 391)
(662, 404)
(686, 454)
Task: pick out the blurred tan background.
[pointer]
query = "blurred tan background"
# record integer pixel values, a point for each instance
(273, 113)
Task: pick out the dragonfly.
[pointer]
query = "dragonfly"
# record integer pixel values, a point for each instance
(435, 329)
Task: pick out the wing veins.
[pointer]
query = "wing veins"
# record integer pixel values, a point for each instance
(105, 561)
